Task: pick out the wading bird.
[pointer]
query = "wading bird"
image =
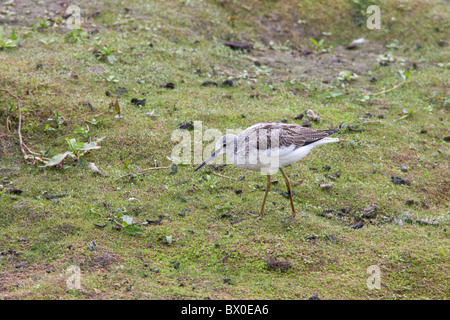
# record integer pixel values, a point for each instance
(269, 147)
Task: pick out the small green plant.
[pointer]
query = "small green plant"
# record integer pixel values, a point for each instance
(41, 24)
(8, 42)
(58, 120)
(105, 53)
(133, 170)
(360, 7)
(127, 224)
(385, 59)
(209, 182)
(84, 131)
(48, 41)
(346, 76)
(76, 150)
(75, 35)
(319, 46)
(333, 94)
(98, 122)
(111, 78)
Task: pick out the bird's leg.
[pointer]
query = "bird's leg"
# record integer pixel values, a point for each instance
(288, 185)
(261, 212)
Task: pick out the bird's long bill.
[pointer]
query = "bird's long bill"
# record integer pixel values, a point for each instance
(206, 161)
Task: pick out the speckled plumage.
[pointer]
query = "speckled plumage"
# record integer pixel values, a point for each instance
(268, 147)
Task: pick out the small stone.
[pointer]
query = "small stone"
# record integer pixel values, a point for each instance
(406, 216)
(227, 83)
(427, 222)
(187, 125)
(404, 168)
(314, 297)
(138, 102)
(120, 91)
(92, 245)
(369, 211)
(312, 116)
(306, 123)
(326, 185)
(346, 209)
(168, 85)
(398, 180)
(209, 83)
(357, 225)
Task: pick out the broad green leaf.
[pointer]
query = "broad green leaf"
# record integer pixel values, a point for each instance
(74, 145)
(173, 169)
(57, 159)
(132, 230)
(127, 219)
(90, 146)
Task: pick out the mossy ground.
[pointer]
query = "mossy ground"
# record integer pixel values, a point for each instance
(224, 251)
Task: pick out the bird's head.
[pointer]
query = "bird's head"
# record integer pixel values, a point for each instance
(224, 144)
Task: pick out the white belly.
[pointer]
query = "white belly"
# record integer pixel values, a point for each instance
(269, 162)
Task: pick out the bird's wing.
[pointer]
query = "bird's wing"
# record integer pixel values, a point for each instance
(286, 135)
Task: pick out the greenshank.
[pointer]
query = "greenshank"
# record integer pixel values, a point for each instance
(268, 147)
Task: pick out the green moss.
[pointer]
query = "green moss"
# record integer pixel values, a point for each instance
(226, 257)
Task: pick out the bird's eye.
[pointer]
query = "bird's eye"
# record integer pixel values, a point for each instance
(224, 145)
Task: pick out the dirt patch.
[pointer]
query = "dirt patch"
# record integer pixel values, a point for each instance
(25, 12)
(324, 67)
(29, 275)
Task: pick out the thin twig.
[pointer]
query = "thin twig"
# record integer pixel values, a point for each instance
(403, 117)
(386, 91)
(19, 129)
(219, 175)
(154, 168)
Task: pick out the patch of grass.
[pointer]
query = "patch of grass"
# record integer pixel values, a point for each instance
(209, 242)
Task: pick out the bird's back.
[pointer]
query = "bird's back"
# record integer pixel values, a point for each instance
(283, 135)
(271, 145)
